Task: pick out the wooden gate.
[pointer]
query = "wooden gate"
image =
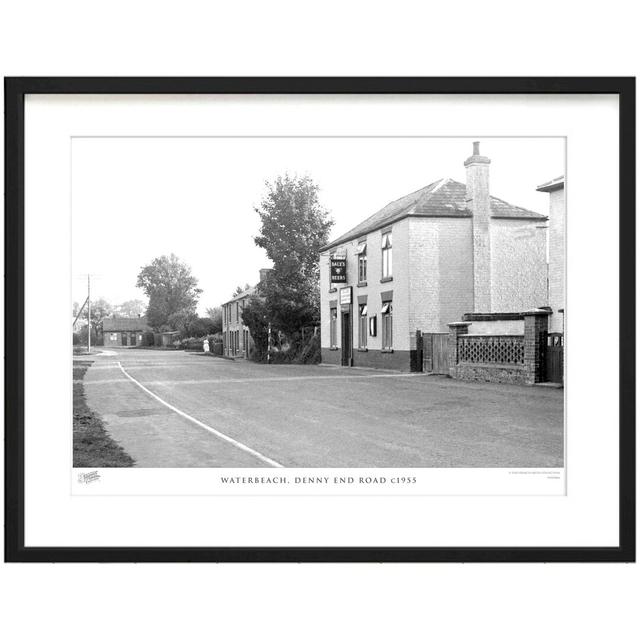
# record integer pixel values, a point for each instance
(436, 353)
(554, 365)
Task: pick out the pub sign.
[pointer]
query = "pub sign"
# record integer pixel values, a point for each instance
(345, 295)
(338, 269)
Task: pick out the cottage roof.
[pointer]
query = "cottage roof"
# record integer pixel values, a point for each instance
(443, 198)
(125, 324)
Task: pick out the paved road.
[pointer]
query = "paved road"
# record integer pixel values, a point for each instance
(315, 416)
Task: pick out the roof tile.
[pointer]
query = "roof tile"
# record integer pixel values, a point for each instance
(442, 198)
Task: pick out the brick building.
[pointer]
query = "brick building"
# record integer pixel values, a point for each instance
(422, 262)
(123, 332)
(555, 189)
(236, 337)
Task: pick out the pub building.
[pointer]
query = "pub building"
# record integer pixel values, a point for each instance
(422, 262)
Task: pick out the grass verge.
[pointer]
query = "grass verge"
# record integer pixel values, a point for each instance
(92, 445)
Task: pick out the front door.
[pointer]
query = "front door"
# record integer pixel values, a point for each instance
(555, 357)
(347, 332)
(123, 338)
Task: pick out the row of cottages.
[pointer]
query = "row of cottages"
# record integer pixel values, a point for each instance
(124, 332)
(236, 337)
(426, 260)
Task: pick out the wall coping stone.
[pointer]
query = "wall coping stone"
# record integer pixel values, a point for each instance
(538, 312)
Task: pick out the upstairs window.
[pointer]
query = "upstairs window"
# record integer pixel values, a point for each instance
(361, 252)
(387, 256)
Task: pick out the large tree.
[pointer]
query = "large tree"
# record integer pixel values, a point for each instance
(131, 309)
(215, 316)
(294, 227)
(171, 287)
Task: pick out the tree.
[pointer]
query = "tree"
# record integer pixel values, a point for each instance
(100, 309)
(238, 290)
(294, 227)
(171, 289)
(215, 316)
(131, 309)
(254, 316)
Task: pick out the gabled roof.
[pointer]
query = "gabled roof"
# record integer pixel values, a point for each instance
(125, 324)
(443, 198)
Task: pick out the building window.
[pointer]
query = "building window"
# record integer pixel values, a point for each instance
(387, 325)
(362, 327)
(362, 262)
(333, 327)
(387, 256)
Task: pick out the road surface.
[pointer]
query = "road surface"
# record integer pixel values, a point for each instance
(181, 409)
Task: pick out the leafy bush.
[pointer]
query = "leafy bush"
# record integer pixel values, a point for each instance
(191, 344)
(300, 350)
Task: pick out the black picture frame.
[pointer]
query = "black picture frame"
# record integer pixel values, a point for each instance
(15, 91)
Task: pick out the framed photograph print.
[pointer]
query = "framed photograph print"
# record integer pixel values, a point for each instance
(320, 319)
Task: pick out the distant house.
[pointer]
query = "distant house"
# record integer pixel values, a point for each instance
(123, 332)
(237, 341)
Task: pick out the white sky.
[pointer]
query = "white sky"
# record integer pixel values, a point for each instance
(134, 199)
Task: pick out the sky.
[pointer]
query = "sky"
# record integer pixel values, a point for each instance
(134, 199)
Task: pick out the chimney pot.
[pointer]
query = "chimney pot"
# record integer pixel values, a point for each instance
(476, 148)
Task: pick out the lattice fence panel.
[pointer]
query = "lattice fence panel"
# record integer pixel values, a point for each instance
(491, 349)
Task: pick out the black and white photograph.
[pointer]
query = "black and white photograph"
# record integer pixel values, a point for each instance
(320, 320)
(318, 302)
(372, 319)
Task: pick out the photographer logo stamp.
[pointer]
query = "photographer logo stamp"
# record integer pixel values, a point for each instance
(88, 477)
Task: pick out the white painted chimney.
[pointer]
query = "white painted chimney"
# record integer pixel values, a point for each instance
(480, 207)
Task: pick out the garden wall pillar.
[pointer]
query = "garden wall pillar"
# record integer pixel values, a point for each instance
(536, 324)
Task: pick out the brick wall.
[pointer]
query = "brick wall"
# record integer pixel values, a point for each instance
(441, 272)
(504, 366)
(518, 265)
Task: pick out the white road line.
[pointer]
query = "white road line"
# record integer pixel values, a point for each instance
(215, 432)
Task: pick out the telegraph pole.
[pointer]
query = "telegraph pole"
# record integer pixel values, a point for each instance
(88, 313)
